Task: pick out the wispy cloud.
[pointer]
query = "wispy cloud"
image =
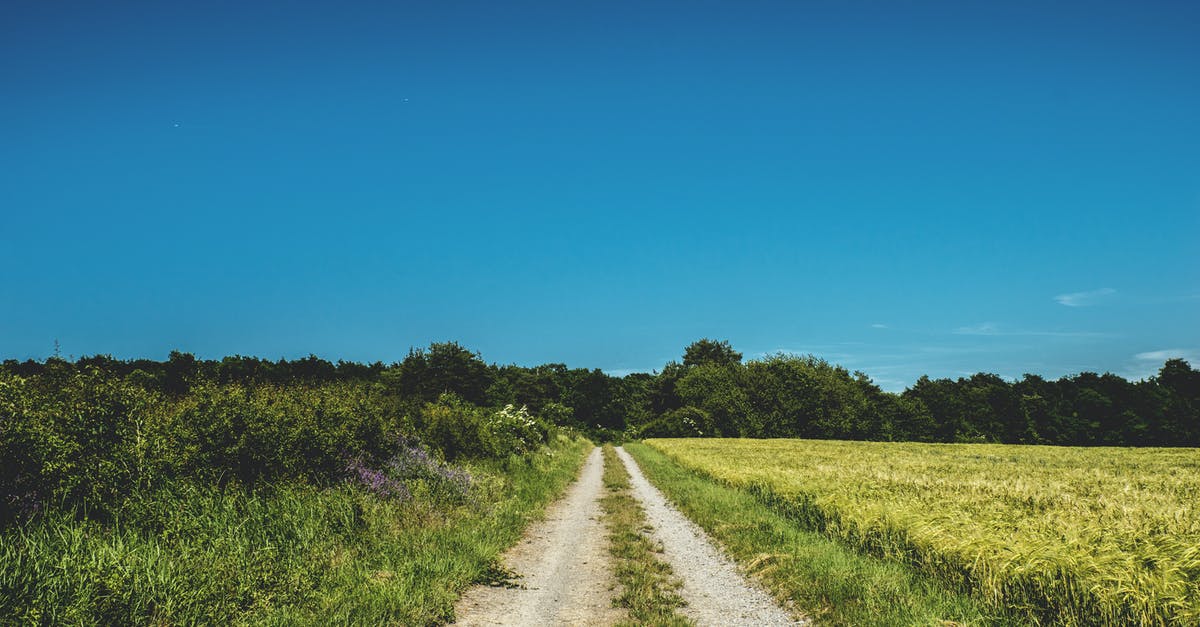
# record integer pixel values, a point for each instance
(880, 326)
(993, 329)
(1167, 353)
(1085, 299)
(1146, 365)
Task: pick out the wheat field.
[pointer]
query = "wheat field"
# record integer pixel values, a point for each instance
(1063, 535)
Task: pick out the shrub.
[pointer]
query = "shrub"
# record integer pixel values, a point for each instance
(454, 427)
(685, 422)
(72, 439)
(558, 414)
(513, 431)
(268, 432)
(412, 471)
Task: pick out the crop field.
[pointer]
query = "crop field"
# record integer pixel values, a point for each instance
(1062, 535)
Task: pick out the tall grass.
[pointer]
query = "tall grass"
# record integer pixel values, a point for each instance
(283, 554)
(1072, 536)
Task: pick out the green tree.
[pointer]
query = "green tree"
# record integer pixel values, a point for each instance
(1180, 404)
(706, 351)
(446, 367)
(717, 389)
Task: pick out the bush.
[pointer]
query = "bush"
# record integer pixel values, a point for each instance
(558, 414)
(460, 430)
(410, 471)
(86, 440)
(513, 431)
(685, 422)
(268, 433)
(454, 427)
(74, 440)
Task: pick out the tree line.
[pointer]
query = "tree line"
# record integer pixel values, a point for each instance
(712, 391)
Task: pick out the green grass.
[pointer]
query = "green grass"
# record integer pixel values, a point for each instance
(293, 555)
(805, 570)
(648, 588)
(1060, 535)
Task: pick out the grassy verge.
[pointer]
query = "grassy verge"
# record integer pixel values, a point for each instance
(294, 555)
(648, 589)
(820, 577)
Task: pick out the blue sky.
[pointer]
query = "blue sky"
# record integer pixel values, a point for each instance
(941, 188)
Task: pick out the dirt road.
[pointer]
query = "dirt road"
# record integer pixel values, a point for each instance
(566, 576)
(563, 563)
(715, 591)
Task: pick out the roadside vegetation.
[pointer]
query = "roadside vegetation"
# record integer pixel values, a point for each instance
(649, 589)
(301, 503)
(1058, 535)
(250, 490)
(806, 571)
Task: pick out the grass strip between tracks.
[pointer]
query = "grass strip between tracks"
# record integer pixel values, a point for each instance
(649, 589)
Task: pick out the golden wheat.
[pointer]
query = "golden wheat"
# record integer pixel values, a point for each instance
(1065, 535)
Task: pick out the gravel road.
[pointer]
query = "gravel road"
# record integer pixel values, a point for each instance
(566, 574)
(715, 591)
(564, 565)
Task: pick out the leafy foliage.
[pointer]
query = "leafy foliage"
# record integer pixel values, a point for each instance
(188, 491)
(786, 395)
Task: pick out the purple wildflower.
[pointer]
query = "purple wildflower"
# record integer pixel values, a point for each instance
(411, 463)
(377, 481)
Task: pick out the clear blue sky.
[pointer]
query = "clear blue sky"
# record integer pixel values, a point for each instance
(939, 188)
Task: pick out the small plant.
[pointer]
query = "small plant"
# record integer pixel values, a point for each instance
(513, 431)
(411, 468)
(412, 463)
(377, 481)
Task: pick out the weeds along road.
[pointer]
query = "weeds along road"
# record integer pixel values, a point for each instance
(566, 577)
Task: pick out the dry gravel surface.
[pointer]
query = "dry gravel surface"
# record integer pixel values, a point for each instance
(564, 571)
(715, 590)
(565, 576)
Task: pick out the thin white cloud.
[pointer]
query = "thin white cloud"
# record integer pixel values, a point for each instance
(1167, 353)
(880, 326)
(993, 329)
(1085, 299)
(1147, 364)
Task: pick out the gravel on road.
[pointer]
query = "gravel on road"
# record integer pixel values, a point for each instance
(565, 574)
(715, 590)
(564, 570)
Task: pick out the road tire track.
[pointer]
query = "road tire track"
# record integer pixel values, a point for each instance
(715, 590)
(563, 564)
